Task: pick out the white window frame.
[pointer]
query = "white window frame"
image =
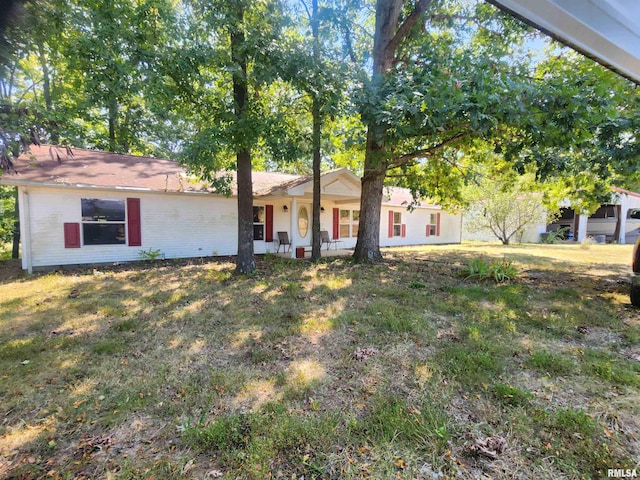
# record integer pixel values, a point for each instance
(258, 222)
(352, 224)
(397, 224)
(93, 221)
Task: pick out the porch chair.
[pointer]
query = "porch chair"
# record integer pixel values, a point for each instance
(324, 238)
(283, 239)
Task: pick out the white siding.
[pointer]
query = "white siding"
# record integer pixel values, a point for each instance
(192, 225)
(531, 234)
(178, 225)
(416, 222)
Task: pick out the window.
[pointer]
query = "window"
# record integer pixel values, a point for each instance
(303, 222)
(433, 224)
(349, 223)
(103, 221)
(566, 214)
(397, 224)
(634, 214)
(258, 223)
(355, 222)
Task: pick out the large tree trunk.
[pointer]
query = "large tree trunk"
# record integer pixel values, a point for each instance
(113, 118)
(368, 244)
(388, 37)
(315, 224)
(375, 167)
(245, 261)
(316, 115)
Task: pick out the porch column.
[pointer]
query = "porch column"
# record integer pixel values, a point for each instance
(292, 229)
(580, 231)
(621, 209)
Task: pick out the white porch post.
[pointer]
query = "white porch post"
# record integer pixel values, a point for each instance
(581, 234)
(294, 221)
(624, 208)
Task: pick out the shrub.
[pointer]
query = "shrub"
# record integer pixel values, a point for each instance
(500, 271)
(556, 236)
(150, 255)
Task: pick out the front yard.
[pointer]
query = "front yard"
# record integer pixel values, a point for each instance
(406, 369)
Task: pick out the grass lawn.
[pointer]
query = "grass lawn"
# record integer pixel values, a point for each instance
(406, 369)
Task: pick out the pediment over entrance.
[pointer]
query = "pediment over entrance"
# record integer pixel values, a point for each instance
(340, 187)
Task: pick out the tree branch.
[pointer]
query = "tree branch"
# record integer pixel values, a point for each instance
(425, 152)
(406, 26)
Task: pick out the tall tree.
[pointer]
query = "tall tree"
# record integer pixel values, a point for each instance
(245, 262)
(505, 203)
(83, 73)
(448, 73)
(314, 67)
(316, 115)
(219, 74)
(389, 34)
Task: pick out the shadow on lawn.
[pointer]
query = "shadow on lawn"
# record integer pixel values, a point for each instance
(107, 366)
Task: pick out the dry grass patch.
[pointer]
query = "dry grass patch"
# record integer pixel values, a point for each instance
(334, 370)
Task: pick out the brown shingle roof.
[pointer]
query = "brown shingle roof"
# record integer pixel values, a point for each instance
(48, 164)
(56, 165)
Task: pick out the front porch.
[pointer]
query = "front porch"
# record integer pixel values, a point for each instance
(324, 253)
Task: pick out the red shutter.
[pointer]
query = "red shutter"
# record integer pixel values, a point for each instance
(268, 223)
(404, 230)
(390, 224)
(438, 224)
(71, 235)
(428, 232)
(336, 223)
(133, 222)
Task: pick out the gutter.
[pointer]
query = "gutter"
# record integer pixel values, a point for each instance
(83, 186)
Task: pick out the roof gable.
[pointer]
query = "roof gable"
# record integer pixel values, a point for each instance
(340, 187)
(340, 182)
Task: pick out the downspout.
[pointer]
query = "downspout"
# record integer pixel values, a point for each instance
(25, 229)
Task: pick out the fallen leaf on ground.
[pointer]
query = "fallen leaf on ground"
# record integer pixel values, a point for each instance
(490, 447)
(364, 353)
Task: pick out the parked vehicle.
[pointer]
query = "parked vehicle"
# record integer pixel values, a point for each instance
(635, 275)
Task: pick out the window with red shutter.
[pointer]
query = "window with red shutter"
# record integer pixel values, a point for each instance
(433, 227)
